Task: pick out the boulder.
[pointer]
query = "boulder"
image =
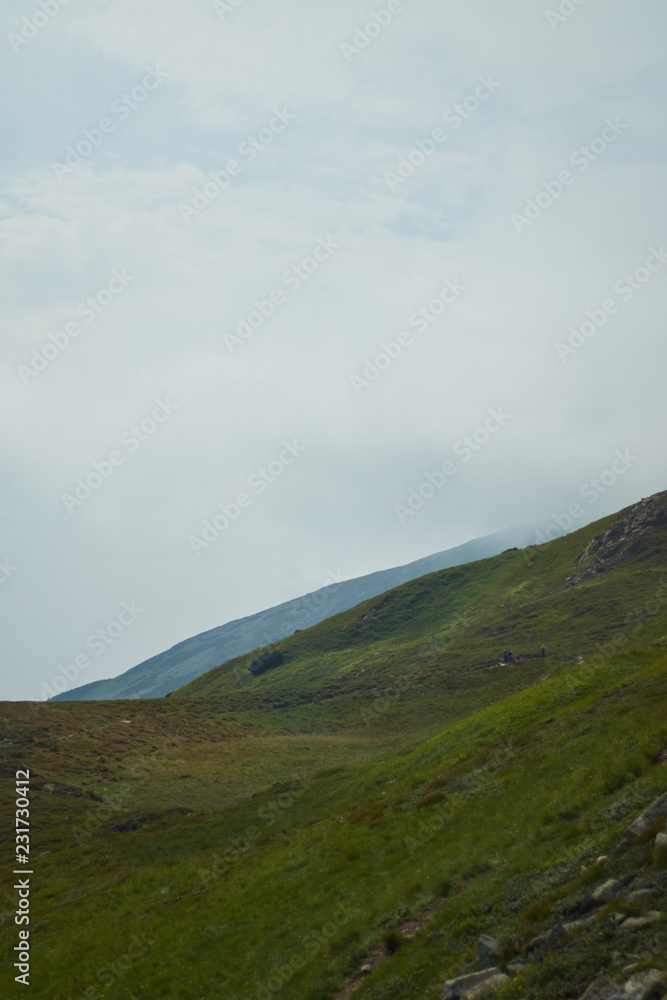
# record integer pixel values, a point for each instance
(600, 989)
(607, 890)
(490, 949)
(647, 985)
(655, 811)
(638, 923)
(543, 942)
(661, 840)
(474, 985)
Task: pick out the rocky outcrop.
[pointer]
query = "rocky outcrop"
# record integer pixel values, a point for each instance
(630, 536)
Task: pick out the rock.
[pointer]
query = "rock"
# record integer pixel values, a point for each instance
(646, 985)
(607, 890)
(661, 840)
(580, 906)
(490, 949)
(545, 941)
(514, 968)
(638, 923)
(365, 970)
(600, 989)
(579, 925)
(655, 811)
(474, 985)
(602, 860)
(617, 918)
(128, 826)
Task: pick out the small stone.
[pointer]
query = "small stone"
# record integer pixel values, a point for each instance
(490, 949)
(545, 941)
(514, 968)
(365, 970)
(579, 925)
(661, 840)
(602, 860)
(607, 890)
(638, 923)
(618, 918)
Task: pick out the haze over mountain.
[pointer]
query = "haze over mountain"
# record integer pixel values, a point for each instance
(187, 660)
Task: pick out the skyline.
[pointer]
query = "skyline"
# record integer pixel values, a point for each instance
(300, 292)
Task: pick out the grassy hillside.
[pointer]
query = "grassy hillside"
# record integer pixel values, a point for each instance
(360, 814)
(167, 671)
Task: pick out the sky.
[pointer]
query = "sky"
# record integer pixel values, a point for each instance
(295, 292)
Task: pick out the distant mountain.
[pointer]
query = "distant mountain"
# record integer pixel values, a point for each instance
(187, 660)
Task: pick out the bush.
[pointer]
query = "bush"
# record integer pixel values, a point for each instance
(266, 661)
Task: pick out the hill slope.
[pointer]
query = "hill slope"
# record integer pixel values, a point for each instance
(163, 673)
(325, 831)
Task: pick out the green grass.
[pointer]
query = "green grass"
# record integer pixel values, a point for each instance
(288, 824)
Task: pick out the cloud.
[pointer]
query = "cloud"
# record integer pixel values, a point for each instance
(322, 178)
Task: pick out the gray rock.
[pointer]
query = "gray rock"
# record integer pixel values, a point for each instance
(514, 968)
(543, 942)
(600, 989)
(646, 985)
(474, 985)
(490, 949)
(655, 811)
(607, 890)
(638, 923)
(579, 925)
(661, 840)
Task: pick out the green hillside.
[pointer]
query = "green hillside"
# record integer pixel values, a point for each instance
(349, 821)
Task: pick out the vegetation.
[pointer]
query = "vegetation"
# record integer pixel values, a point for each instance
(388, 795)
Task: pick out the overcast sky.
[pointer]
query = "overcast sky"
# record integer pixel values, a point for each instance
(431, 220)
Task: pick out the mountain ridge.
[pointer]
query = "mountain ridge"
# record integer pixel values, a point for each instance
(183, 662)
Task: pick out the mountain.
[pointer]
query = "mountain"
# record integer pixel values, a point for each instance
(167, 671)
(386, 813)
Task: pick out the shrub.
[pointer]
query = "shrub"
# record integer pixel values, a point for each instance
(266, 661)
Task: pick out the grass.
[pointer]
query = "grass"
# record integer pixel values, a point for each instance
(284, 825)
